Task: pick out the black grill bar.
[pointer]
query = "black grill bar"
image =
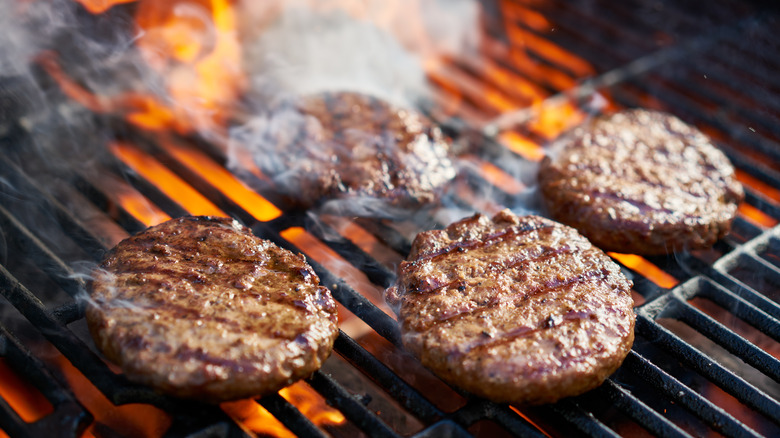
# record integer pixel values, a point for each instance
(731, 341)
(737, 306)
(353, 409)
(637, 70)
(68, 417)
(401, 391)
(638, 410)
(716, 417)
(731, 383)
(293, 418)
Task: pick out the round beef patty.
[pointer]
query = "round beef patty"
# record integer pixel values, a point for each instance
(514, 309)
(641, 182)
(198, 307)
(352, 147)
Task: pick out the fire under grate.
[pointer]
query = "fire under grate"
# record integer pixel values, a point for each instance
(717, 315)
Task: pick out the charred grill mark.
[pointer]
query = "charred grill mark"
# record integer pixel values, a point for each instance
(517, 264)
(489, 305)
(487, 342)
(484, 242)
(166, 310)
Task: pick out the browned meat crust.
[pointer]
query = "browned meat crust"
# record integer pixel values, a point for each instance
(198, 307)
(514, 309)
(353, 146)
(641, 182)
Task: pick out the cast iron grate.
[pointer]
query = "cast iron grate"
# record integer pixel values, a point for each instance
(748, 254)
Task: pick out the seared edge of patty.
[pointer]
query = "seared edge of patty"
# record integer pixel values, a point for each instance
(514, 309)
(641, 182)
(198, 307)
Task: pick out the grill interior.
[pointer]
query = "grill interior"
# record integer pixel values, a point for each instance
(705, 359)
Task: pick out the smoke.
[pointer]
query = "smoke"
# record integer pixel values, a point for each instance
(374, 47)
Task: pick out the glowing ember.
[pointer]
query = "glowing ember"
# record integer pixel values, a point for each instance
(647, 269)
(22, 397)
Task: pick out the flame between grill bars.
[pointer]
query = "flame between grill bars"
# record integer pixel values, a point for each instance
(706, 360)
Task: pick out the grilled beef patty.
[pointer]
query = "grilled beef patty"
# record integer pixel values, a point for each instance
(198, 307)
(514, 309)
(354, 147)
(641, 182)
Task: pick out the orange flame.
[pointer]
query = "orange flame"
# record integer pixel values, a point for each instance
(131, 420)
(194, 46)
(647, 269)
(100, 6)
(168, 182)
(217, 175)
(23, 398)
(252, 416)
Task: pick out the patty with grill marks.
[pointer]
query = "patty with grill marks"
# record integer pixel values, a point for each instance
(199, 307)
(516, 309)
(641, 182)
(351, 147)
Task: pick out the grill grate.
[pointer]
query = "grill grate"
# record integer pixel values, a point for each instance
(646, 57)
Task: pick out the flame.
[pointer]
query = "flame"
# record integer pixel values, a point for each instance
(100, 6)
(758, 185)
(255, 418)
(194, 46)
(522, 145)
(135, 420)
(140, 208)
(334, 263)
(218, 176)
(165, 180)
(312, 404)
(647, 269)
(756, 216)
(22, 397)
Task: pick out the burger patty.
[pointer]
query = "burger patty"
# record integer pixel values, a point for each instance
(352, 146)
(198, 307)
(514, 309)
(641, 182)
